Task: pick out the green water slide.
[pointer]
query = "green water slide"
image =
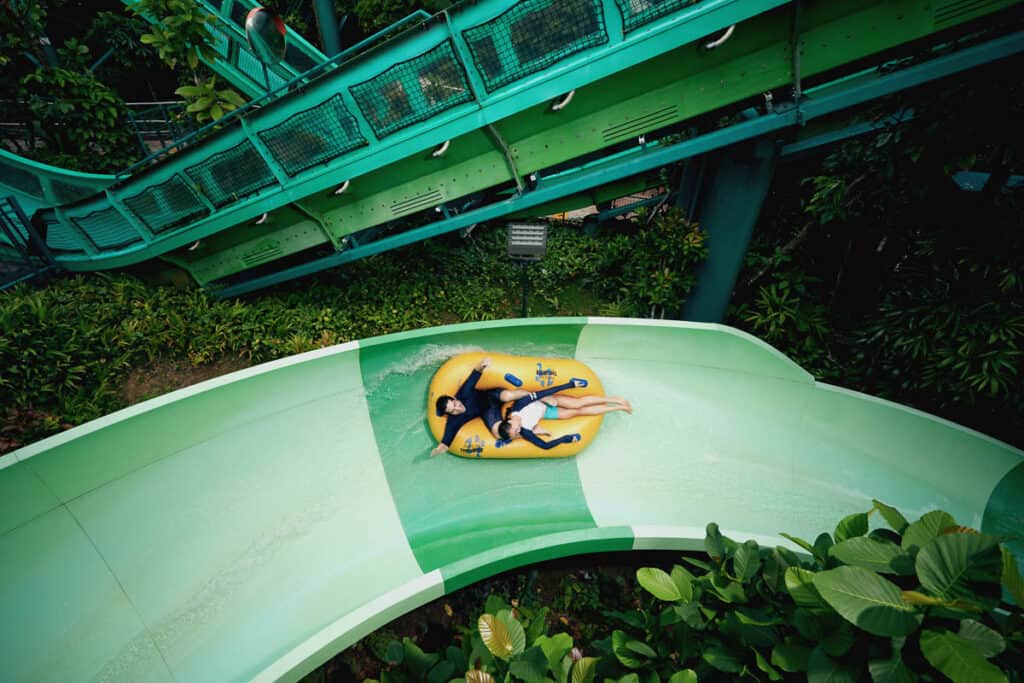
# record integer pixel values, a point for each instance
(477, 114)
(251, 526)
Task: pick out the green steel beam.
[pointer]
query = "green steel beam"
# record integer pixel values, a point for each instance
(824, 101)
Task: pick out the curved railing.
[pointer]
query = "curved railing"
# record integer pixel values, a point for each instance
(479, 78)
(250, 527)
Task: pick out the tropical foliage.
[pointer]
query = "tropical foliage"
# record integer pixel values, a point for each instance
(903, 601)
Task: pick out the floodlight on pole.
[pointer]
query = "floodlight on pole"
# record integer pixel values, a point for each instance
(527, 243)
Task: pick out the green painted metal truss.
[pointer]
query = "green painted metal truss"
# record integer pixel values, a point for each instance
(479, 114)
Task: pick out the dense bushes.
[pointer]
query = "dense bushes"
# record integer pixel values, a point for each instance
(914, 601)
(67, 349)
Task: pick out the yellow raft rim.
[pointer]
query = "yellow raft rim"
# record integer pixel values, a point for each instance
(474, 440)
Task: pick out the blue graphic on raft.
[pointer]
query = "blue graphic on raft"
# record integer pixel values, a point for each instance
(545, 376)
(474, 446)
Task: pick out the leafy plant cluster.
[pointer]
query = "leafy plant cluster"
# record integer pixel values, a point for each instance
(182, 37)
(882, 275)
(67, 350)
(69, 116)
(915, 601)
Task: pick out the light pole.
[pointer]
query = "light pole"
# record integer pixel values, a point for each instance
(527, 243)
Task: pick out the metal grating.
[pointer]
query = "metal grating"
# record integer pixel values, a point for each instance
(164, 206)
(313, 136)
(533, 35)
(637, 13)
(420, 201)
(250, 65)
(955, 11)
(221, 42)
(231, 175)
(641, 124)
(20, 179)
(107, 229)
(61, 237)
(413, 91)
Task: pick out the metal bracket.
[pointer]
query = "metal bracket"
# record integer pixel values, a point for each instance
(564, 102)
(721, 41)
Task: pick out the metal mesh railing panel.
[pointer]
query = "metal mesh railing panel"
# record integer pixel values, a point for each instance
(413, 91)
(167, 205)
(637, 13)
(533, 35)
(107, 229)
(248, 64)
(231, 175)
(313, 136)
(221, 41)
(60, 237)
(20, 179)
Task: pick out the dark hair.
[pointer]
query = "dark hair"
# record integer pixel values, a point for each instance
(503, 428)
(441, 405)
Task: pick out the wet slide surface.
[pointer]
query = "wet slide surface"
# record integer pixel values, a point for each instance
(252, 526)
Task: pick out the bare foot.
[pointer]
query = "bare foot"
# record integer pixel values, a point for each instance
(626, 405)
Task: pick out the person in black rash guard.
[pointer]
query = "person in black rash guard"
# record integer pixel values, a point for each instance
(469, 404)
(524, 414)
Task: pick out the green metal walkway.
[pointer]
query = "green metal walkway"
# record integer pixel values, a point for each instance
(250, 527)
(477, 114)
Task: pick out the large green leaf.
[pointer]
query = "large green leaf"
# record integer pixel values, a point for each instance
(747, 561)
(823, 669)
(583, 671)
(658, 583)
(627, 657)
(879, 556)
(723, 658)
(714, 543)
(958, 566)
(1012, 580)
(763, 665)
(958, 659)
(395, 653)
(800, 542)
(441, 673)
(893, 517)
(555, 647)
(515, 630)
(419, 662)
(800, 584)
(891, 670)
(530, 666)
(925, 529)
(867, 601)
(728, 590)
(538, 625)
(683, 581)
(791, 658)
(987, 641)
(684, 676)
(851, 526)
(839, 640)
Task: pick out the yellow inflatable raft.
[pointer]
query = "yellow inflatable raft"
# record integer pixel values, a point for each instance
(474, 440)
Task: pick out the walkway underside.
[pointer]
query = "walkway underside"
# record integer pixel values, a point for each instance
(252, 526)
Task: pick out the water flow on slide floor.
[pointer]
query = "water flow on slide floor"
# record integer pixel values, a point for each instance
(252, 526)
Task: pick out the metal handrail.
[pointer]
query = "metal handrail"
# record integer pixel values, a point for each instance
(306, 76)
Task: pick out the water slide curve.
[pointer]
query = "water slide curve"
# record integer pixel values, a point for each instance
(250, 527)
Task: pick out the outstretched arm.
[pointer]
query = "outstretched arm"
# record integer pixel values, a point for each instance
(547, 445)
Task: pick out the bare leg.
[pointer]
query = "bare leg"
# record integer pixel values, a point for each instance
(566, 413)
(583, 401)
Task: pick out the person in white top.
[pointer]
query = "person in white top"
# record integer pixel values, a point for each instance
(522, 418)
